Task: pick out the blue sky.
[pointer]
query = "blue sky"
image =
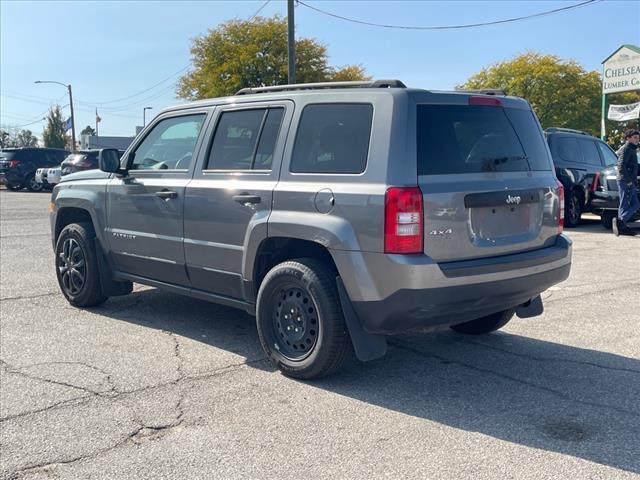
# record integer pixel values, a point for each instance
(112, 50)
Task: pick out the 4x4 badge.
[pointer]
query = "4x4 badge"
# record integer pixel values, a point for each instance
(448, 231)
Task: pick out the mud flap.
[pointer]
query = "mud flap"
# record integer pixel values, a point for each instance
(110, 287)
(366, 345)
(532, 308)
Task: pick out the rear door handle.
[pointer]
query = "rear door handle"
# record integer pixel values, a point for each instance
(246, 198)
(166, 194)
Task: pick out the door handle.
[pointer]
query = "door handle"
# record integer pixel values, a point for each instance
(247, 198)
(166, 194)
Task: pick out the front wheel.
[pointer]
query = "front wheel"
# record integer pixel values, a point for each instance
(483, 325)
(300, 321)
(77, 266)
(33, 185)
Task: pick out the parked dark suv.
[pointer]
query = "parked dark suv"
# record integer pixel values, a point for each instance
(18, 166)
(579, 159)
(336, 213)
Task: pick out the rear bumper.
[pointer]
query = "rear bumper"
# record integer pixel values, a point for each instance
(395, 293)
(11, 178)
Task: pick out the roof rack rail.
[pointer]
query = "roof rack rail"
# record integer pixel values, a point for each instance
(322, 85)
(487, 91)
(566, 130)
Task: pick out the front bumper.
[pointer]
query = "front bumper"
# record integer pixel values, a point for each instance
(11, 178)
(396, 293)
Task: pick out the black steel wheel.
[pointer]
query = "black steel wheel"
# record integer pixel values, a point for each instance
(77, 265)
(300, 321)
(487, 324)
(573, 210)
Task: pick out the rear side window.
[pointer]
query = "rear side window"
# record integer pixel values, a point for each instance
(473, 139)
(608, 155)
(245, 139)
(590, 152)
(333, 138)
(568, 150)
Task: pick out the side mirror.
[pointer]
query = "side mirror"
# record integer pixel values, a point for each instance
(108, 160)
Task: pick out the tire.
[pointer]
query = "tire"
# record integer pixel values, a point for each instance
(483, 325)
(302, 294)
(572, 211)
(32, 185)
(14, 188)
(76, 252)
(606, 220)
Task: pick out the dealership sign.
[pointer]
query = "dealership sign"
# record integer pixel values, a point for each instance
(623, 113)
(621, 71)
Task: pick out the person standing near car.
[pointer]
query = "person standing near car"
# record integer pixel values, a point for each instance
(627, 183)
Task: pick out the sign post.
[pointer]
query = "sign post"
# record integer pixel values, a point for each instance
(620, 73)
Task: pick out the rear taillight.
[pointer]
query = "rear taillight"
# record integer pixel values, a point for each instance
(596, 182)
(14, 163)
(561, 212)
(403, 217)
(487, 101)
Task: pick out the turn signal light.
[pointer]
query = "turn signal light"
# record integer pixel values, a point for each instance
(403, 220)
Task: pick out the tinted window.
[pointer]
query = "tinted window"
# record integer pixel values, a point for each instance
(590, 152)
(473, 139)
(568, 149)
(169, 145)
(268, 139)
(608, 155)
(235, 140)
(245, 140)
(332, 138)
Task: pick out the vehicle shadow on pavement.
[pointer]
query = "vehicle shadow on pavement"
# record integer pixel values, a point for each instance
(593, 225)
(557, 398)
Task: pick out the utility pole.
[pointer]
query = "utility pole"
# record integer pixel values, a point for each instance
(144, 117)
(73, 121)
(291, 42)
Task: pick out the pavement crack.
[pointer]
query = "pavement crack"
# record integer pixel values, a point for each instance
(504, 376)
(27, 297)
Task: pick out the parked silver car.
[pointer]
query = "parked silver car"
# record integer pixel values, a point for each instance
(336, 213)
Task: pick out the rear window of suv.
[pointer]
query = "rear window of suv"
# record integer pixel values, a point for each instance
(476, 138)
(333, 138)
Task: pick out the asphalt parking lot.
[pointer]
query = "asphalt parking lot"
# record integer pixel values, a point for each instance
(154, 385)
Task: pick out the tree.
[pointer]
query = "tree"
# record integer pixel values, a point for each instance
(54, 134)
(88, 131)
(561, 92)
(26, 138)
(240, 54)
(17, 139)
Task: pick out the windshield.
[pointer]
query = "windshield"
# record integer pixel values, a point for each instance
(474, 139)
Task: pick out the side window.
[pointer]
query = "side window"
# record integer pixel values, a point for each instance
(169, 145)
(568, 150)
(268, 139)
(608, 155)
(332, 138)
(590, 152)
(235, 140)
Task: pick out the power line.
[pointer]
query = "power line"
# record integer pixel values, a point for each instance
(138, 93)
(259, 10)
(448, 27)
(26, 124)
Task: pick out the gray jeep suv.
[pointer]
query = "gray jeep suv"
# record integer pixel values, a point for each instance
(335, 213)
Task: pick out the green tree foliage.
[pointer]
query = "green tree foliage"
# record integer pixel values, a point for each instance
(240, 54)
(88, 130)
(22, 138)
(54, 135)
(561, 92)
